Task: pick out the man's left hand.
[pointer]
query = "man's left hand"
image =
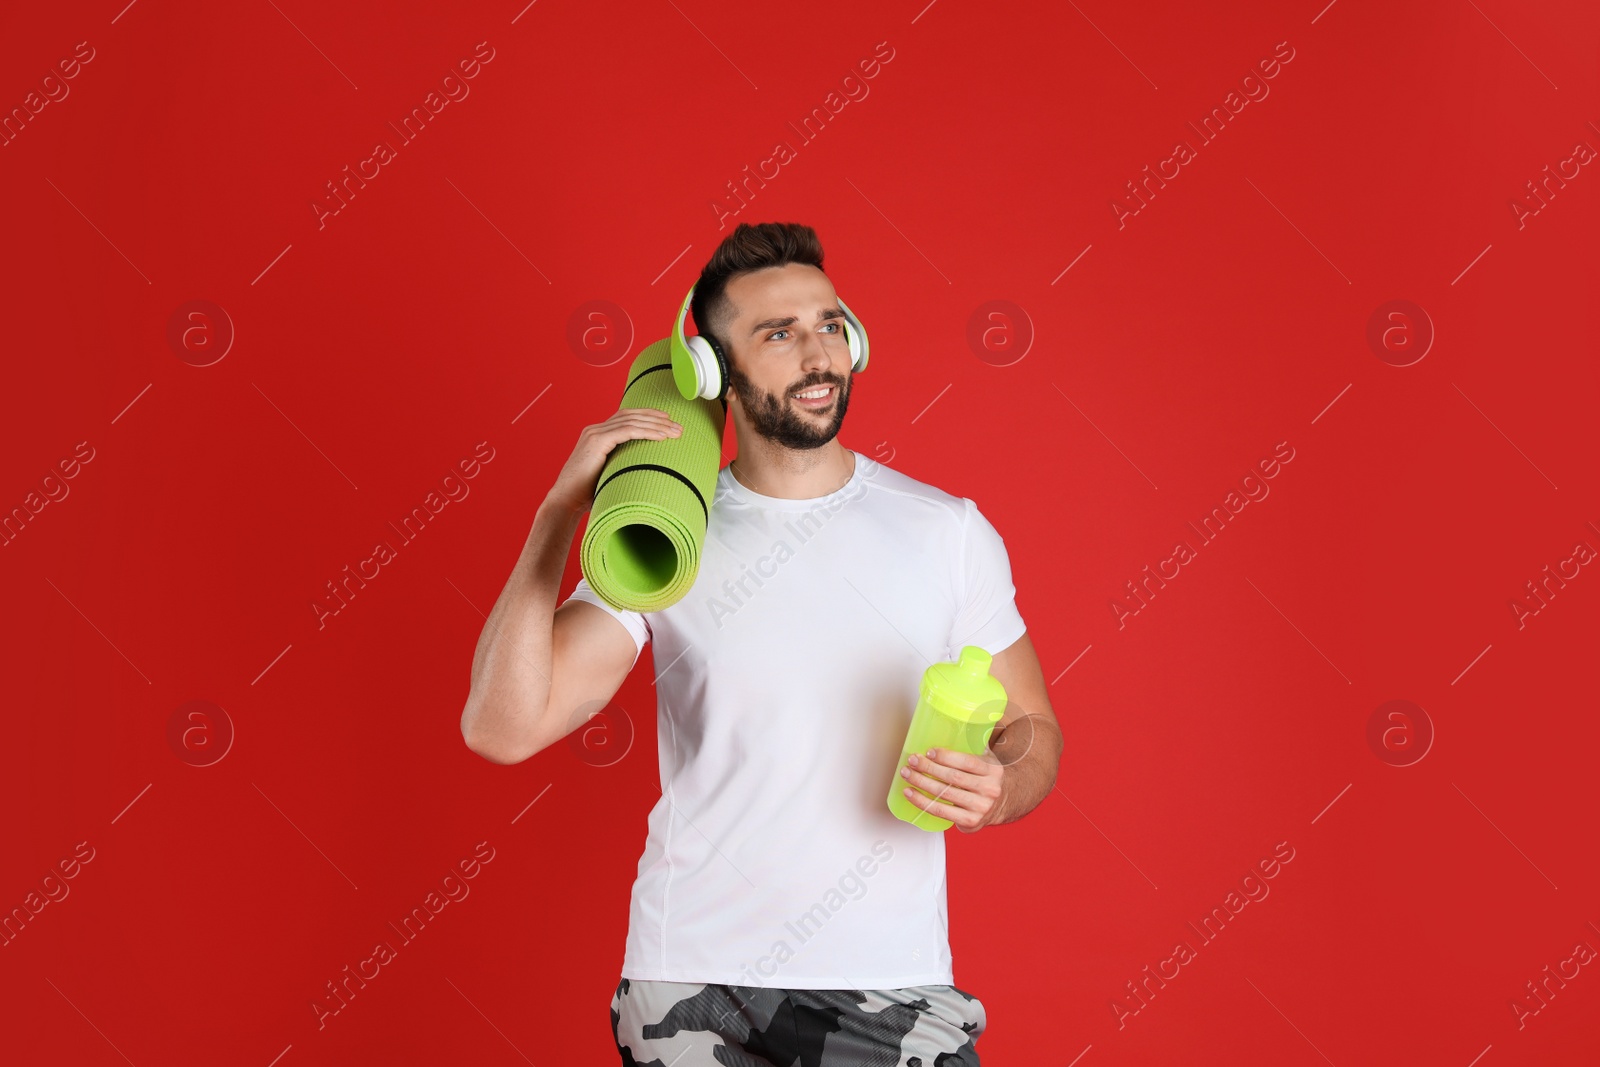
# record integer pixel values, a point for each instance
(966, 789)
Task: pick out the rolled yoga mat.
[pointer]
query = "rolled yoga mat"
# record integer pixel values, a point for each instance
(647, 525)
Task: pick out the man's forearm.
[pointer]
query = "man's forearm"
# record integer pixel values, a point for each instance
(1030, 749)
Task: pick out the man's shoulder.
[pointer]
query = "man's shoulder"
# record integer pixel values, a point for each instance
(899, 489)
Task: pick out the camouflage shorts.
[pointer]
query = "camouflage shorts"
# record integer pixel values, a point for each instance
(675, 1024)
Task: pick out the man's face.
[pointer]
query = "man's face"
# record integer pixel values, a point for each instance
(787, 337)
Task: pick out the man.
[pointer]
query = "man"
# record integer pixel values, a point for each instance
(780, 909)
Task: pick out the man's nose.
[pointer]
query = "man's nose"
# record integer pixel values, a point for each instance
(816, 353)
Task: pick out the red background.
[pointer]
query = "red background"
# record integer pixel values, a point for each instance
(375, 351)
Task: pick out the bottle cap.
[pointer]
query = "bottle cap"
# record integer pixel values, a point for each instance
(965, 689)
(974, 661)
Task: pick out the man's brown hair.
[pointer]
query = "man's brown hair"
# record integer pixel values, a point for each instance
(747, 248)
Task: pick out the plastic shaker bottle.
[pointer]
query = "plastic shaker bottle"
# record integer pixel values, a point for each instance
(957, 707)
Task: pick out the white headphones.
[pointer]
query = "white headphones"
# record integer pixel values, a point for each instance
(700, 369)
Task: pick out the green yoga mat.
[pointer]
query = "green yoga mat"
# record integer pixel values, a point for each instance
(647, 525)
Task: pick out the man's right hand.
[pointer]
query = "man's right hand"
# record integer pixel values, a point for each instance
(575, 485)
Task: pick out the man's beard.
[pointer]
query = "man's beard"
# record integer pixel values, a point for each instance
(781, 420)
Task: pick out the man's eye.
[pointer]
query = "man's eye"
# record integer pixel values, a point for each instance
(776, 334)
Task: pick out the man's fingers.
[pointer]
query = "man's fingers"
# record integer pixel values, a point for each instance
(945, 772)
(935, 807)
(979, 764)
(935, 786)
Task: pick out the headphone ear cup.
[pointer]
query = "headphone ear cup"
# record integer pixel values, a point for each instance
(711, 370)
(722, 370)
(706, 364)
(858, 349)
(856, 335)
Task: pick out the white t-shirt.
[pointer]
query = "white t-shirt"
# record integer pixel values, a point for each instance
(785, 681)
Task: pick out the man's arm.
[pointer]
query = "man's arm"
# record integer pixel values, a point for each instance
(535, 664)
(1027, 741)
(1009, 780)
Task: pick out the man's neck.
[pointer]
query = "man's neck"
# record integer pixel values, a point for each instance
(793, 474)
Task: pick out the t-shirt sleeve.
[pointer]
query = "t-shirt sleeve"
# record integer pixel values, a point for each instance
(987, 615)
(637, 624)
